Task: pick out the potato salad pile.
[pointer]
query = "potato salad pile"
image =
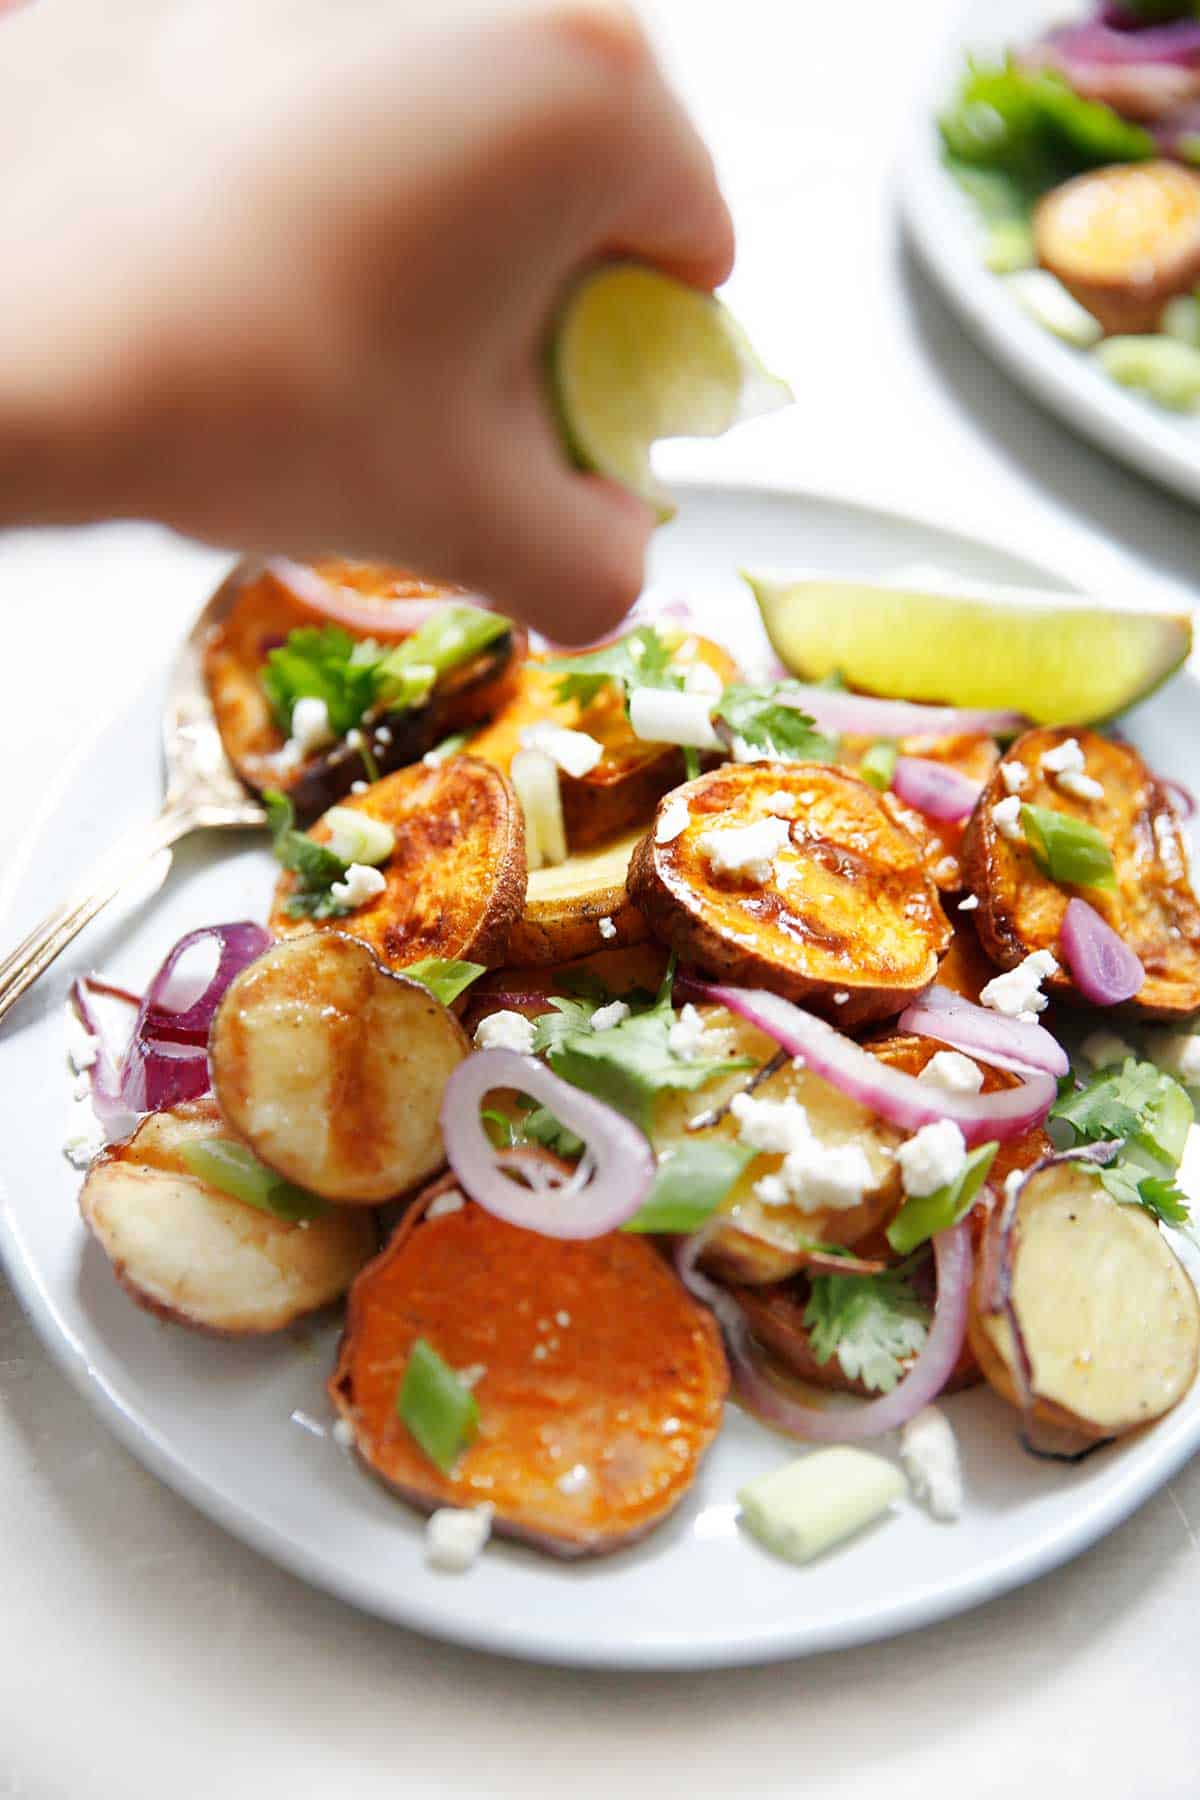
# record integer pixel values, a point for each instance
(626, 1033)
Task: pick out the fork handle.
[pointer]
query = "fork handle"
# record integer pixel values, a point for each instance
(33, 956)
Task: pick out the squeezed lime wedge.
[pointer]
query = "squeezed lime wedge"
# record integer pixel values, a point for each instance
(1062, 659)
(637, 356)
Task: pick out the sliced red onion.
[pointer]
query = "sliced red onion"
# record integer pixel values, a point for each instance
(610, 1184)
(1182, 798)
(1104, 969)
(167, 1057)
(841, 1425)
(105, 1074)
(901, 1099)
(512, 1000)
(387, 620)
(862, 715)
(935, 789)
(1148, 75)
(1175, 43)
(1003, 1043)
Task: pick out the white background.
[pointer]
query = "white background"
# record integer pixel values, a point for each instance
(142, 1651)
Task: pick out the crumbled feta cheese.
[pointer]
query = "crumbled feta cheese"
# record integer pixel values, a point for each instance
(969, 904)
(83, 1049)
(954, 1073)
(85, 1136)
(1020, 991)
(83, 1086)
(383, 735)
(472, 1374)
(1104, 1048)
(574, 752)
(747, 850)
(455, 1535)
(688, 1035)
(1015, 777)
(1062, 757)
(449, 1202)
(841, 997)
(505, 1031)
(701, 678)
(1007, 815)
(311, 729)
(1083, 787)
(562, 1319)
(608, 928)
(673, 820)
(932, 1159)
(354, 738)
(343, 1434)
(815, 1177)
(782, 805)
(358, 787)
(605, 1017)
(362, 883)
(574, 1480)
(1178, 1053)
(929, 1453)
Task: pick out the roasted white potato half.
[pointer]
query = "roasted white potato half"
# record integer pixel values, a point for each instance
(332, 1068)
(1108, 1313)
(191, 1254)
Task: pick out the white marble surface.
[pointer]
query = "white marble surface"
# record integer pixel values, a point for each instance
(145, 1652)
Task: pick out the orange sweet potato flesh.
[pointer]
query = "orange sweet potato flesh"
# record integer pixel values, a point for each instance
(264, 611)
(632, 775)
(1123, 240)
(965, 968)
(630, 1390)
(1153, 909)
(456, 879)
(849, 910)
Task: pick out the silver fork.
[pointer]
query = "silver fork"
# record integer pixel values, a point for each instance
(202, 792)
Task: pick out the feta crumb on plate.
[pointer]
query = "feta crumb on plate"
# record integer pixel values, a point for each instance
(747, 850)
(82, 1048)
(929, 1453)
(1019, 992)
(455, 1535)
(343, 1434)
(932, 1158)
(505, 1031)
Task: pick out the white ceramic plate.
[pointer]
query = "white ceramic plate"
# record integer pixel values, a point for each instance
(242, 1429)
(946, 234)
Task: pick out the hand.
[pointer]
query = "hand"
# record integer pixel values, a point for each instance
(281, 276)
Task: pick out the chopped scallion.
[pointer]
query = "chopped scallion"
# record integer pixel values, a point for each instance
(437, 1408)
(920, 1219)
(232, 1169)
(1068, 849)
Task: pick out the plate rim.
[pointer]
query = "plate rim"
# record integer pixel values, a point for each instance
(751, 1645)
(1155, 445)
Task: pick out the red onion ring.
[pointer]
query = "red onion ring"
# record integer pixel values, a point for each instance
(901, 1099)
(622, 1165)
(1182, 798)
(863, 715)
(105, 1073)
(1004, 1043)
(1105, 970)
(386, 620)
(935, 789)
(924, 1382)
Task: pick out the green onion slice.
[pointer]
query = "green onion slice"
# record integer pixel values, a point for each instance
(438, 1409)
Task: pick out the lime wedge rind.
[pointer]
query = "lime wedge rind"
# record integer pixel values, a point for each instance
(1060, 658)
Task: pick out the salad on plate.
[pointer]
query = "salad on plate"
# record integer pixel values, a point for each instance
(631, 1033)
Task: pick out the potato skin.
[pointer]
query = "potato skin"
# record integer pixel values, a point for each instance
(632, 1387)
(196, 1257)
(456, 879)
(1153, 909)
(1123, 240)
(332, 1068)
(851, 910)
(262, 615)
(564, 905)
(631, 776)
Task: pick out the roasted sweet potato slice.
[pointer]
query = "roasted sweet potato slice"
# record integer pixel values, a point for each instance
(1153, 908)
(191, 1254)
(264, 612)
(602, 1381)
(965, 969)
(456, 879)
(332, 1068)
(1123, 240)
(941, 841)
(847, 920)
(1107, 1312)
(631, 776)
(566, 905)
(776, 1317)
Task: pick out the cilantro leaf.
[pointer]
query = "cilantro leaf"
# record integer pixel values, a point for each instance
(541, 1127)
(446, 980)
(1137, 1101)
(320, 662)
(629, 1064)
(641, 659)
(314, 865)
(767, 719)
(1164, 1198)
(690, 1185)
(872, 1323)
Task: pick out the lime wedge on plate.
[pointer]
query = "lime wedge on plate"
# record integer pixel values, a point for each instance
(637, 356)
(1062, 659)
